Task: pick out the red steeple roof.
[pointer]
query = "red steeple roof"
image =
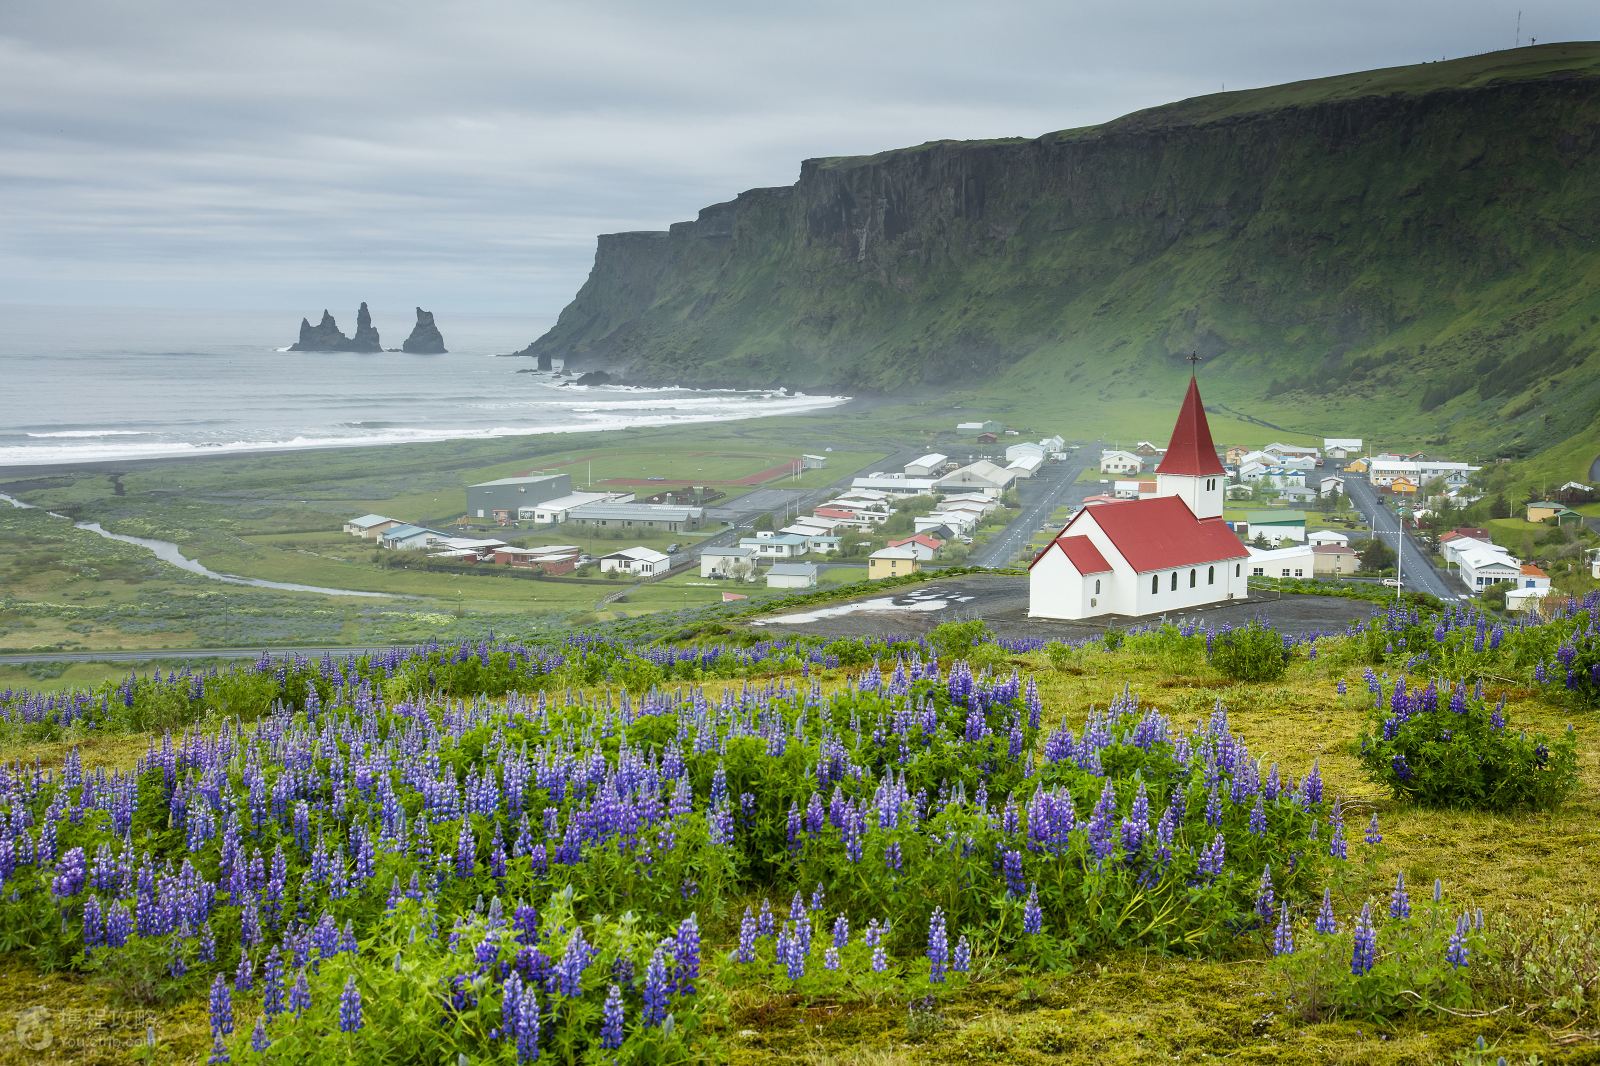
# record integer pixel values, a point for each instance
(1191, 451)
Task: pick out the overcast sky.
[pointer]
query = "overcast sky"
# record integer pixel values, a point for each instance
(463, 155)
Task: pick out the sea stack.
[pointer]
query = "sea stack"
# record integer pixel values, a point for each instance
(323, 337)
(366, 338)
(425, 337)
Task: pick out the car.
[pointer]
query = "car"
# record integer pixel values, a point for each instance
(1392, 582)
(674, 549)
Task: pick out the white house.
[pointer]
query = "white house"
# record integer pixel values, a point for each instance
(1024, 466)
(552, 512)
(894, 484)
(1453, 547)
(1330, 485)
(1295, 561)
(1482, 567)
(1275, 526)
(1341, 447)
(370, 526)
(1116, 461)
(1017, 451)
(1291, 451)
(1140, 557)
(768, 545)
(1328, 536)
(1385, 469)
(409, 538)
(792, 576)
(1125, 489)
(739, 563)
(641, 562)
(929, 465)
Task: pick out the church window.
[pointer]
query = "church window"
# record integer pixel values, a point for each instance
(1192, 577)
(1097, 586)
(1235, 569)
(1211, 575)
(1155, 584)
(1174, 581)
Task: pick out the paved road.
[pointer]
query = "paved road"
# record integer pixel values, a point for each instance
(1416, 570)
(1055, 485)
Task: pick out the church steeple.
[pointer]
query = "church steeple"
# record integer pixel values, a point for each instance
(1190, 469)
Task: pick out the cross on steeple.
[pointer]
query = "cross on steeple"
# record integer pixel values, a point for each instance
(1194, 358)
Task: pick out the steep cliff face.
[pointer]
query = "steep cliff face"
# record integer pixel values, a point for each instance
(326, 336)
(425, 337)
(1370, 236)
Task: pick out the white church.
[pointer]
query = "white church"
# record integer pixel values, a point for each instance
(1169, 552)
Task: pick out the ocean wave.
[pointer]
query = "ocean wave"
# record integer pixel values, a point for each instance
(630, 416)
(89, 433)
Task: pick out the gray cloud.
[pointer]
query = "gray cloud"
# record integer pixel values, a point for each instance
(464, 154)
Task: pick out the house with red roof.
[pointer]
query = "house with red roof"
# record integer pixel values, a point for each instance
(922, 544)
(1168, 552)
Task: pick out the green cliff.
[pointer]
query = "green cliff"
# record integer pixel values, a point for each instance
(1408, 254)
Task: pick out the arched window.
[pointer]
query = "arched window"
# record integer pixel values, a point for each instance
(1235, 569)
(1192, 577)
(1174, 581)
(1211, 575)
(1097, 586)
(1155, 584)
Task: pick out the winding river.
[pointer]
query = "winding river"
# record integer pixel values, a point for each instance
(168, 552)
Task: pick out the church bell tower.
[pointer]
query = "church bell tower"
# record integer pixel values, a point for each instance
(1190, 470)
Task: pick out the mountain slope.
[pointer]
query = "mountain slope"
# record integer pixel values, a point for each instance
(1410, 253)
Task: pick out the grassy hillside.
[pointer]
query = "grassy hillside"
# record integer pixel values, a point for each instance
(1404, 254)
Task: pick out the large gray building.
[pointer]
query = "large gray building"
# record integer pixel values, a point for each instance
(499, 500)
(643, 516)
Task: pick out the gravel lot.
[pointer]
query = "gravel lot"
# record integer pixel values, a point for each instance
(1002, 602)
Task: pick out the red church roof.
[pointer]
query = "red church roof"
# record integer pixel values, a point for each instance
(1162, 533)
(1191, 451)
(1082, 553)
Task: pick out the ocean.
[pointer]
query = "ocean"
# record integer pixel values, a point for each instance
(88, 385)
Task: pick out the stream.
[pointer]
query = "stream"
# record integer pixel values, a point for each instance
(168, 552)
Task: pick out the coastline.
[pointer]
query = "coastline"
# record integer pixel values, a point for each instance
(850, 406)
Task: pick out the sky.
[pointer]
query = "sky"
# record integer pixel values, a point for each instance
(463, 155)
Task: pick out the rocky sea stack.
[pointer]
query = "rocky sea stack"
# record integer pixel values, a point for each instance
(326, 337)
(425, 337)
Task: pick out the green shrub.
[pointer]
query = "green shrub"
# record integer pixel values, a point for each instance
(1253, 653)
(1461, 753)
(955, 639)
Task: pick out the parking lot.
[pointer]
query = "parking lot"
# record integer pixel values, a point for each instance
(1001, 601)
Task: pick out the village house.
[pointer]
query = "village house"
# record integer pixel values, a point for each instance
(1292, 451)
(979, 427)
(1025, 466)
(1334, 560)
(894, 484)
(410, 538)
(922, 545)
(370, 526)
(982, 475)
(1241, 492)
(640, 562)
(1116, 461)
(556, 511)
(892, 562)
(1296, 494)
(1274, 526)
(1330, 486)
(770, 545)
(813, 462)
(1384, 469)
(1327, 536)
(792, 576)
(738, 563)
(1341, 447)
(1018, 451)
(1482, 566)
(1139, 557)
(1296, 561)
(1546, 510)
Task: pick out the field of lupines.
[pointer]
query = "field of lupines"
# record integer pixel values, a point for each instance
(596, 851)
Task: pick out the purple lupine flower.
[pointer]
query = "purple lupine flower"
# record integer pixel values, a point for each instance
(300, 995)
(1326, 923)
(611, 1034)
(1011, 865)
(219, 1052)
(830, 958)
(569, 971)
(527, 1034)
(1283, 935)
(747, 938)
(1373, 836)
(1336, 843)
(244, 975)
(350, 1006)
(1438, 890)
(1212, 858)
(71, 872)
(938, 946)
(892, 857)
(963, 957)
(686, 954)
(1365, 951)
(1400, 899)
(764, 922)
(1456, 952)
(841, 931)
(221, 1011)
(1340, 687)
(1265, 898)
(1032, 917)
(1258, 817)
(259, 1041)
(655, 987)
